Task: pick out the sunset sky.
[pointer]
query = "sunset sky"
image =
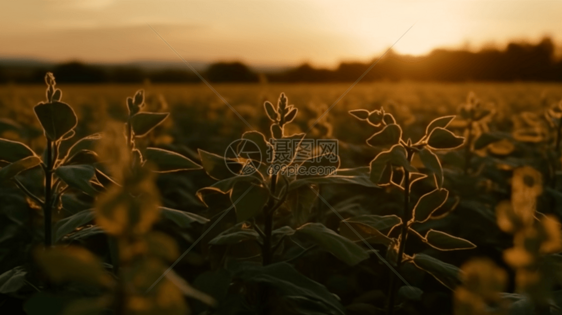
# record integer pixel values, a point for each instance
(263, 32)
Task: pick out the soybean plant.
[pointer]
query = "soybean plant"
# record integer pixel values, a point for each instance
(397, 157)
(260, 191)
(61, 170)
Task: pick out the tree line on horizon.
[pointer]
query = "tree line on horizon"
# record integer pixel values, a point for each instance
(516, 62)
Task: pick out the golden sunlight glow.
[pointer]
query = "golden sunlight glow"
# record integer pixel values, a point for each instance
(263, 32)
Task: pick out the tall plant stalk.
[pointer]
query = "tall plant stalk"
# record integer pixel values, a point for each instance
(557, 151)
(406, 215)
(558, 136)
(47, 209)
(467, 151)
(267, 255)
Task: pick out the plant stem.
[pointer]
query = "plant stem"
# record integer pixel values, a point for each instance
(130, 141)
(29, 193)
(47, 211)
(558, 136)
(267, 255)
(267, 252)
(405, 218)
(319, 203)
(120, 297)
(467, 152)
(113, 253)
(557, 150)
(403, 235)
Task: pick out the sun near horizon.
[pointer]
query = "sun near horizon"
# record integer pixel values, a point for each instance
(321, 32)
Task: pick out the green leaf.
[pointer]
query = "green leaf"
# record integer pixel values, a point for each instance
(131, 107)
(139, 98)
(301, 202)
(86, 143)
(522, 306)
(11, 170)
(7, 124)
(361, 114)
(389, 136)
(56, 118)
(441, 122)
(276, 131)
(388, 119)
(248, 199)
(73, 263)
(304, 294)
(445, 273)
(263, 145)
(85, 234)
(270, 111)
(190, 291)
(446, 242)
(432, 163)
(183, 219)
(235, 235)
(361, 179)
(214, 283)
(383, 223)
(144, 122)
(279, 233)
(12, 280)
(410, 293)
(481, 113)
(428, 203)
(226, 185)
(376, 117)
(291, 115)
(465, 112)
(72, 204)
(83, 157)
(441, 138)
(488, 138)
(57, 95)
(71, 223)
(68, 135)
(215, 165)
(104, 179)
(399, 157)
(369, 228)
(79, 177)
(378, 165)
(11, 151)
(168, 161)
(341, 247)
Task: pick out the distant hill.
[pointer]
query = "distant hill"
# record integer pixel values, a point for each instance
(24, 62)
(516, 62)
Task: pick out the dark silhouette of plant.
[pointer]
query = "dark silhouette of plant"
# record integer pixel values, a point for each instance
(258, 190)
(62, 170)
(473, 112)
(397, 158)
(126, 211)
